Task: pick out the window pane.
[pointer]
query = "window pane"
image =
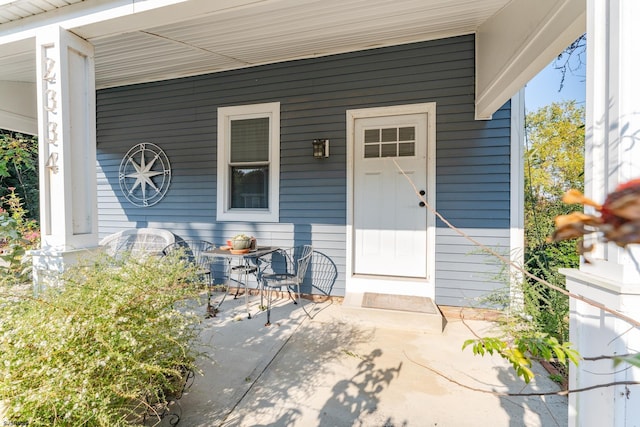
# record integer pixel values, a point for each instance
(250, 187)
(389, 150)
(371, 151)
(406, 149)
(389, 135)
(407, 134)
(371, 135)
(250, 140)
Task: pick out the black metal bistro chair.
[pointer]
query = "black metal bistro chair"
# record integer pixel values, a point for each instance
(219, 270)
(192, 251)
(286, 269)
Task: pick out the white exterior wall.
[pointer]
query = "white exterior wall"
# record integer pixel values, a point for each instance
(595, 333)
(612, 157)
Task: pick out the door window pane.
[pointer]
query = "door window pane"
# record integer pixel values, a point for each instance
(407, 134)
(371, 151)
(407, 149)
(371, 135)
(389, 150)
(389, 135)
(390, 142)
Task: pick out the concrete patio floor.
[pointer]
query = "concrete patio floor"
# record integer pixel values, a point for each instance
(332, 369)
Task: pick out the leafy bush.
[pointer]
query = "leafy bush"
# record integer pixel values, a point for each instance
(100, 350)
(535, 321)
(19, 169)
(11, 247)
(17, 235)
(529, 306)
(547, 309)
(522, 349)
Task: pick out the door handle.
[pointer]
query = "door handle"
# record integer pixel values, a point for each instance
(421, 204)
(422, 192)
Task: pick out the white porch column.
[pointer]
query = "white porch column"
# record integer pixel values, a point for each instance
(67, 145)
(612, 157)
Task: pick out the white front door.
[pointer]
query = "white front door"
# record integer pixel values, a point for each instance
(390, 225)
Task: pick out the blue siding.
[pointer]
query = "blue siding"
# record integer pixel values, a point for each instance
(472, 163)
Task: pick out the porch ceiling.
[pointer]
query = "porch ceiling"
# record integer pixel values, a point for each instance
(198, 37)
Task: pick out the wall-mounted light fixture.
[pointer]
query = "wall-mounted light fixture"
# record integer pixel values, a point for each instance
(320, 148)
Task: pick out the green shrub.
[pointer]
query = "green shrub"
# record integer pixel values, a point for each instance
(101, 349)
(19, 169)
(534, 323)
(18, 234)
(547, 309)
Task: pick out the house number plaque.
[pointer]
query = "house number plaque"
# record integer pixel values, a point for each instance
(51, 110)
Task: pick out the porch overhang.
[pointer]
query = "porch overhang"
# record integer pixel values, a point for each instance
(513, 45)
(18, 104)
(18, 107)
(153, 40)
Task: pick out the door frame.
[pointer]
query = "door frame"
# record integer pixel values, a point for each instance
(357, 284)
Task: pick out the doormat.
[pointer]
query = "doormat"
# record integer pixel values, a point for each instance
(399, 302)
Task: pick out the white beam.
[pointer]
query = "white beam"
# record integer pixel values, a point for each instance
(519, 41)
(98, 18)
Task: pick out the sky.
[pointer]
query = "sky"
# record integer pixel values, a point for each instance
(544, 89)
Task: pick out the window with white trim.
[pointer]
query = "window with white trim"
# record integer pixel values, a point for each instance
(249, 163)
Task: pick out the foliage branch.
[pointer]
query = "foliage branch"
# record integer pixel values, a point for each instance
(18, 234)
(19, 170)
(520, 352)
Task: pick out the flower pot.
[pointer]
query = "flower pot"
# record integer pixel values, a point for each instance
(241, 242)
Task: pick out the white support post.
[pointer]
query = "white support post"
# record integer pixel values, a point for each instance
(612, 157)
(516, 256)
(67, 150)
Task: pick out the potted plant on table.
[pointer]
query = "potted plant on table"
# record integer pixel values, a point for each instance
(241, 242)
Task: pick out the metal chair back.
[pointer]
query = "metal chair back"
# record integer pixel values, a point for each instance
(192, 252)
(286, 269)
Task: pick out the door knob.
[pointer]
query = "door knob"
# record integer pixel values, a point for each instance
(422, 192)
(421, 204)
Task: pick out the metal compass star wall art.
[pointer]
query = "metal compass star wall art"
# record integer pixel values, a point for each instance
(145, 174)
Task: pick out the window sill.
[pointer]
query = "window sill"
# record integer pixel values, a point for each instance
(248, 215)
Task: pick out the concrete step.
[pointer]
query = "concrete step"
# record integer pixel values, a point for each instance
(406, 312)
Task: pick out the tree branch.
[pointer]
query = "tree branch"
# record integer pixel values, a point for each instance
(507, 394)
(508, 262)
(605, 357)
(562, 62)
